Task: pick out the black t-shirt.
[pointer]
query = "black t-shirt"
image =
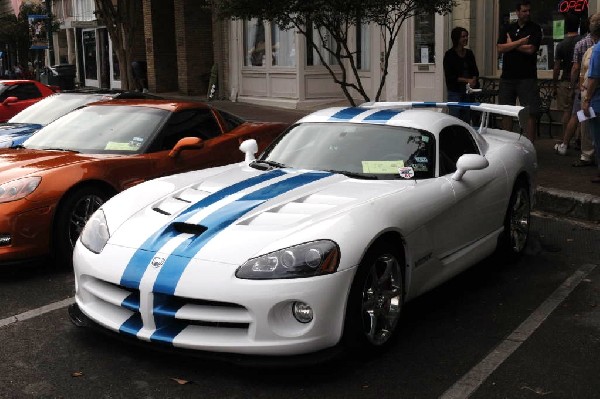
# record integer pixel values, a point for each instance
(456, 67)
(516, 64)
(564, 53)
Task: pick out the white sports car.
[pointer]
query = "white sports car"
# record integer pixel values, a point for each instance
(318, 243)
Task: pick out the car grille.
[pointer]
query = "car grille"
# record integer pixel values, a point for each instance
(168, 312)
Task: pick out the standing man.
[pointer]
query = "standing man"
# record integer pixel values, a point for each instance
(563, 88)
(518, 43)
(591, 97)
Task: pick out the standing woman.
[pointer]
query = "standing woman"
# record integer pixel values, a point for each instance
(460, 68)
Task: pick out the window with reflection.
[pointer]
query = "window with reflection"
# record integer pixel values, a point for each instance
(424, 39)
(322, 40)
(283, 49)
(254, 43)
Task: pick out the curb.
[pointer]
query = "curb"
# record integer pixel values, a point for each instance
(568, 203)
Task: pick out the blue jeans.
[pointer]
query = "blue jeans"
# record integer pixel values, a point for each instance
(594, 125)
(461, 113)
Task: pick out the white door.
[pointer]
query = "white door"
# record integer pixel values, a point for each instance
(427, 53)
(90, 58)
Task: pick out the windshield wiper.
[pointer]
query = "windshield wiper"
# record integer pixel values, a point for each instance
(61, 149)
(270, 164)
(355, 175)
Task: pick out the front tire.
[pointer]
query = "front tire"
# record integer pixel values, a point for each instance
(375, 300)
(516, 223)
(72, 214)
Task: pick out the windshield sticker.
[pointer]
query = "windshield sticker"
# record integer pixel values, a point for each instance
(407, 172)
(115, 146)
(421, 159)
(418, 167)
(425, 139)
(382, 166)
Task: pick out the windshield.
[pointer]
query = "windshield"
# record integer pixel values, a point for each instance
(101, 129)
(371, 151)
(50, 108)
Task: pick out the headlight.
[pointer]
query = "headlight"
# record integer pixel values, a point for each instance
(17, 189)
(95, 234)
(304, 260)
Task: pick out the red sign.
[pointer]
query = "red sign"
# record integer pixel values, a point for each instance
(572, 5)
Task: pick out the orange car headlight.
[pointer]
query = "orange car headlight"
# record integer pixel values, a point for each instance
(17, 189)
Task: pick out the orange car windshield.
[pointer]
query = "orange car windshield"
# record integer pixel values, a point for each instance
(101, 129)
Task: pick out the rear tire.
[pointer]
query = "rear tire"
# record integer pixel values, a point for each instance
(71, 216)
(375, 300)
(513, 240)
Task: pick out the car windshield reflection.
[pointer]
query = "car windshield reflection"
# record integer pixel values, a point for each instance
(50, 108)
(356, 150)
(99, 129)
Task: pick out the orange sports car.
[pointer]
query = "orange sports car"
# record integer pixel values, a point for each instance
(18, 94)
(52, 184)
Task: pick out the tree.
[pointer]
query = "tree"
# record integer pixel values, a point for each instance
(121, 21)
(334, 18)
(14, 31)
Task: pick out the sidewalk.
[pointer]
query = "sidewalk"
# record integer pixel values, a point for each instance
(562, 189)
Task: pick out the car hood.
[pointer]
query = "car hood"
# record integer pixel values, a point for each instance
(17, 129)
(16, 163)
(237, 214)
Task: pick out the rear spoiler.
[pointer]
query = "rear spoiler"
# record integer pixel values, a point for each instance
(515, 111)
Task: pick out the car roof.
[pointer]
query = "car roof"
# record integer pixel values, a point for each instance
(168, 105)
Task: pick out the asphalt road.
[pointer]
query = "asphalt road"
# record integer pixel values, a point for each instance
(527, 330)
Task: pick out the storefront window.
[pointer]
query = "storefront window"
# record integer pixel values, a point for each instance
(425, 39)
(254, 43)
(547, 14)
(284, 46)
(89, 54)
(322, 40)
(363, 38)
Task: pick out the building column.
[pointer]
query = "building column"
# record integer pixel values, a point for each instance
(161, 49)
(194, 40)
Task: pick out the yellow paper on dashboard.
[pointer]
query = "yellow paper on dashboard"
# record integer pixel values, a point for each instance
(382, 167)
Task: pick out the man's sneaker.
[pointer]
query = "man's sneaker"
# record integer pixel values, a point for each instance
(561, 149)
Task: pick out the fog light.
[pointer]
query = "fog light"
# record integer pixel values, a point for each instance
(4, 239)
(302, 312)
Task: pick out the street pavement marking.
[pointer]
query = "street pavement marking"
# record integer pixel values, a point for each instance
(464, 387)
(30, 314)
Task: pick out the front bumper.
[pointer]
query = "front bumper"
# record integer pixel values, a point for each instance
(211, 310)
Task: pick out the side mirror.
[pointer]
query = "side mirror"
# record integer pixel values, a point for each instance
(249, 147)
(469, 162)
(10, 100)
(186, 143)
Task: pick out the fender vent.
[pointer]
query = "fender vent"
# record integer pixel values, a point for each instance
(188, 228)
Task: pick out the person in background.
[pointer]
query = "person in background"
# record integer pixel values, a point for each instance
(563, 87)
(581, 57)
(591, 97)
(518, 43)
(460, 69)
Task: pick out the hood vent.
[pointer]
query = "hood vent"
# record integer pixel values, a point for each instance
(189, 228)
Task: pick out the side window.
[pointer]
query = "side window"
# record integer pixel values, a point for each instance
(231, 121)
(455, 141)
(26, 91)
(189, 123)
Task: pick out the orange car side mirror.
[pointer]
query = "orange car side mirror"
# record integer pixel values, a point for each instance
(10, 100)
(186, 143)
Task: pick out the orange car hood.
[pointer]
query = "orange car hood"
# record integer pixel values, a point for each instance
(20, 163)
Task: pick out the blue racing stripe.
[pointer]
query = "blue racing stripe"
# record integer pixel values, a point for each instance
(132, 325)
(168, 333)
(174, 266)
(132, 302)
(347, 113)
(382, 116)
(140, 260)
